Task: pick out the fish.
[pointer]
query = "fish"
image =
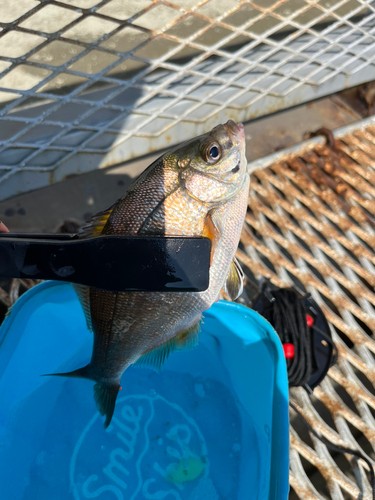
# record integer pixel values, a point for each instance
(199, 188)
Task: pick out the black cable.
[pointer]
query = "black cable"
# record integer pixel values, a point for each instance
(340, 449)
(328, 339)
(287, 315)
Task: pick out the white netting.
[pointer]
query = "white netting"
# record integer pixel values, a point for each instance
(86, 84)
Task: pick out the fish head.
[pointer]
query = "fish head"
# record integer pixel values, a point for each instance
(213, 166)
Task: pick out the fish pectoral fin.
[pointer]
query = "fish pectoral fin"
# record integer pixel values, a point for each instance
(211, 232)
(95, 225)
(185, 340)
(105, 396)
(234, 283)
(83, 293)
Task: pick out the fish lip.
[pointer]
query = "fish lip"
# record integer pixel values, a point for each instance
(235, 130)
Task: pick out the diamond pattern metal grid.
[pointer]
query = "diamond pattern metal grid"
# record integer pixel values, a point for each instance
(87, 84)
(311, 223)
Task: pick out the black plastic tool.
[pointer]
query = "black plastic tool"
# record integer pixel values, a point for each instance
(115, 263)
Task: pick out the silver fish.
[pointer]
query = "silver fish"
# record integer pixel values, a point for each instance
(199, 188)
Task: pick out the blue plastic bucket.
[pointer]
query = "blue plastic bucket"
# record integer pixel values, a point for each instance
(212, 425)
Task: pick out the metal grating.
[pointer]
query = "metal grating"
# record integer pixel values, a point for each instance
(87, 84)
(10, 291)
(311, 223)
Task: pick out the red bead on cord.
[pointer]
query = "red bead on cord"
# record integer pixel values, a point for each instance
(309, 320)
(288, 351)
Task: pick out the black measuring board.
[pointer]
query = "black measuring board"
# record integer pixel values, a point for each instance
(114, 263)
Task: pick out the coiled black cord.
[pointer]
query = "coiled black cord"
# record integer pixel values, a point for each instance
(287, 315)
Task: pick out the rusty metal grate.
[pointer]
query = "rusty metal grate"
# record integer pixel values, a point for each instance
(88, 83)
(11, 290)
(311, 223)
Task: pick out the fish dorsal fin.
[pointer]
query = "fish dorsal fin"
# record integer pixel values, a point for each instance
(234, 283)
(185, 340)
(83, 293)
(210, 231)
(95, 225)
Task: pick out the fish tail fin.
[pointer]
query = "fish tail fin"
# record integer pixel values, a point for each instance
(83, 372)
(105, 396)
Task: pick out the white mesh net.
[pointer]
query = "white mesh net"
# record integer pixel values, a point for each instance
(87, 84)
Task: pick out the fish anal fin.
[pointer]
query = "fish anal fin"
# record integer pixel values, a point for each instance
(210, 231)
(184, 341)
(95, 225)
(234, 282)
(83, 293)
(105, 396)
(156, 358)
(189, 338)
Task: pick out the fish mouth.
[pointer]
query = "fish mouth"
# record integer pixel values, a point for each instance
(235, 131)
(236, 168)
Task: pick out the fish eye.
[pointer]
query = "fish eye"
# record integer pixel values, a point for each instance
(212, 153)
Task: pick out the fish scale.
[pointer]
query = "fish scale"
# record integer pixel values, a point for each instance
(198, 188)
(128, 215)
(175, 216)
